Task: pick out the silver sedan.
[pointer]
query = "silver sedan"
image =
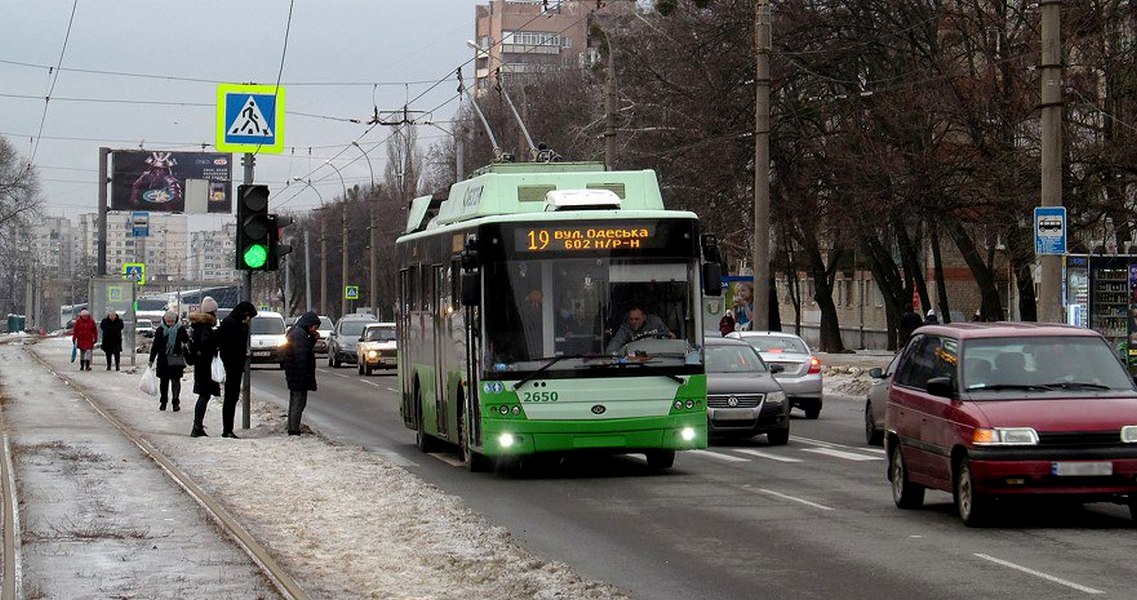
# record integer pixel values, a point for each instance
(801, 375)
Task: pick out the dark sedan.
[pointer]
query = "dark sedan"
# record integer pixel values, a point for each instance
(743, 399)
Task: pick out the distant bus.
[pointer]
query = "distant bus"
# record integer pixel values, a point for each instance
(510, 291)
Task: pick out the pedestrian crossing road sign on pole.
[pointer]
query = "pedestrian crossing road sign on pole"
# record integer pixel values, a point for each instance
(351, 292)
(135, 272)
(250, 118)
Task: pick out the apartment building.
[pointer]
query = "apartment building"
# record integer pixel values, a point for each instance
(530, 36)
(211, 254)
(165, 250)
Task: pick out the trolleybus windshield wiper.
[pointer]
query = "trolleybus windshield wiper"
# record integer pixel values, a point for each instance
(552, 360)
(638, 363)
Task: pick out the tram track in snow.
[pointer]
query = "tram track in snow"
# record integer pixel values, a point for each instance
(270, 568)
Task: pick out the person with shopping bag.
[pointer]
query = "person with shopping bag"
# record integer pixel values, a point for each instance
(203, 347)
(168, 356)
(233, 347)
(84, 335)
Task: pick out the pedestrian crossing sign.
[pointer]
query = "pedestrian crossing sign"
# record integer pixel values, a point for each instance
(351, 292)
(250, 118)
(135, 272)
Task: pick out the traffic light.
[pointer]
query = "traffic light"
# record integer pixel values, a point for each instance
(276, 249)
(252, 227)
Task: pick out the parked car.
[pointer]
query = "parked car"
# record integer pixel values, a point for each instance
(876, 402)
(341, 344)
(801, 375)
(376, 348)
(743, 398)
(325, 331)
(144, 328)
(992, 411)
(267, 339)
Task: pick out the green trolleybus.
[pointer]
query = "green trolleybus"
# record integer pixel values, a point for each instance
(514, 297)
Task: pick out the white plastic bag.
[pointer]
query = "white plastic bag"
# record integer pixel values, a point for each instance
(217, 370)
(149, 383)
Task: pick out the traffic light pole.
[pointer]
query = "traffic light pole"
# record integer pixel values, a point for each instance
(247, 296)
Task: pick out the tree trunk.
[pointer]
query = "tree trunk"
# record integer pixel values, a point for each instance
(1022, 262)
(991, 305)
(938, 268)
(909, 258)
(829, 330)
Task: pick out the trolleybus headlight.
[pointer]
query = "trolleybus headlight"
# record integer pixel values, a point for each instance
(506, 440)
(516, 410)
(504, 409)
(690, 404)
(678, 405)
(687, 434)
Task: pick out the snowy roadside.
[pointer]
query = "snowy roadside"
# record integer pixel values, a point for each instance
(344, 522)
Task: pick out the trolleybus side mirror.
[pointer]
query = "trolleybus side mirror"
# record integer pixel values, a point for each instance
(471, 291)
(712, 269)
(712, 279)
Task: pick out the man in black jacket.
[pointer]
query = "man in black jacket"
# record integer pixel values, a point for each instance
(300, 367)
(233, 347)
(909, 322)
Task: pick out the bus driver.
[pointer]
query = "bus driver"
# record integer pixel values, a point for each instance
(636, 326)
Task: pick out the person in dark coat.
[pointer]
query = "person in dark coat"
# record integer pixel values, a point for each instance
(909, 322)
(111, 328)
(168, 353)
(203, 347)
(931, 318)
(233, 346)
(300, 366)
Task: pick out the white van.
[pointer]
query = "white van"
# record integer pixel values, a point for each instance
(266, 336)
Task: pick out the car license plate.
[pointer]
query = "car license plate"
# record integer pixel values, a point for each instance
(734, 414)
(262, 353)
(1063, 469)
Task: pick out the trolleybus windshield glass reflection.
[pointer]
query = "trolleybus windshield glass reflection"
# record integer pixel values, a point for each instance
(574, 308)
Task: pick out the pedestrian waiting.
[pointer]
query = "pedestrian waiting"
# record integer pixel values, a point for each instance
(300, 367)
(168, 354)
(111, 328)
(84, 335)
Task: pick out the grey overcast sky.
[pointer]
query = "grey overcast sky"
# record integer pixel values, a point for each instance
(343, 58)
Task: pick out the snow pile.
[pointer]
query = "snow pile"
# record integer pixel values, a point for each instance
(343, 522)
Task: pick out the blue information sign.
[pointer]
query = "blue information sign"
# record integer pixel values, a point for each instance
(1050, 230)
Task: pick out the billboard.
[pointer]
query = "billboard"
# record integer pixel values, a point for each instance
(155, 181)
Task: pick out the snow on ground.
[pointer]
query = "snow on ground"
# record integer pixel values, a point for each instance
(345, 523)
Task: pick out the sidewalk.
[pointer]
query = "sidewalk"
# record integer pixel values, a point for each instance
(344, 523)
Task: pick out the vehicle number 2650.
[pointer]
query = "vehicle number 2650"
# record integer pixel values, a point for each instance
(539, 397)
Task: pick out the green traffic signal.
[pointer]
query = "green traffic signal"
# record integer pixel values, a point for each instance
(255, 256)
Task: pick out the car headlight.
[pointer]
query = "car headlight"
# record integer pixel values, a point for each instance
(1129, 434)
(1005, 436)
(778, 397)
(372, 354)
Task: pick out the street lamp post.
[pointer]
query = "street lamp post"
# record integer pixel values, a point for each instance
(373, 242)
(323, 256)
(343, 242)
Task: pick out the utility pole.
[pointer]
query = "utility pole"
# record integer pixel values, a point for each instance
(101, 268)
(761, 242)
(307, 275)
(610, 108)
(1050, 294)
(324, 262)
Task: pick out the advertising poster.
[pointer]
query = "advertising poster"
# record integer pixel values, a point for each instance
(1131, 350)
(739, 300)
(155, 181)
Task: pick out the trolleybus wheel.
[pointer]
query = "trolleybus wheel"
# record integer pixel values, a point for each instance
(660, 459)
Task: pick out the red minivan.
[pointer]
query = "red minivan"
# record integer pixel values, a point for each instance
(990, 410)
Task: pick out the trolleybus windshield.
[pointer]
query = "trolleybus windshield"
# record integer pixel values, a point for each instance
(575, 307)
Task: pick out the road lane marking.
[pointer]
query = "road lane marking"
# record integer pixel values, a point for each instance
(842, 454)
(391, 389)
(341, 375)
(1048, 577)
(372, 384)
(761, 454)
(446, 458)
(825, 444)
(791, 498)
(719, 456)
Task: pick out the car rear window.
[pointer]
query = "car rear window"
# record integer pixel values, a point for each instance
(1063, 362)
(733, 359)
(776, 344)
